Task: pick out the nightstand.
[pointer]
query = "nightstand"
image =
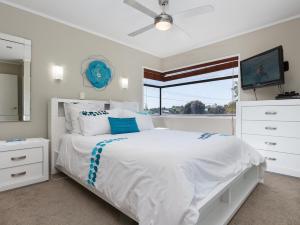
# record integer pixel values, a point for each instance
(23, 163)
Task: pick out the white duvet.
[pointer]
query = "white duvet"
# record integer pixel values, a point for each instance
(159, 176)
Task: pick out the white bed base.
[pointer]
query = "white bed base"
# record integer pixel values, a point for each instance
(216, 209)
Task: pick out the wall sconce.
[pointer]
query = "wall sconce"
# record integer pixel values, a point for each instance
(58, 72)
(124, 83)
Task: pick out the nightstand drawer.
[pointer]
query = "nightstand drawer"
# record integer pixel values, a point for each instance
(272, 128)
(20, 157)
(275, 112)
(282, 163)
(276, 144)
(21, 174)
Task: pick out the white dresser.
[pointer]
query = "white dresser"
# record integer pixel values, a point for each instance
(23, 163)
(272, 128)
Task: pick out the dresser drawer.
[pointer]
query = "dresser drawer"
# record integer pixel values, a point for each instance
(276, 113)
(283, 163)
(20, 157)
(20, 174)
(276, 144)
(272, 128)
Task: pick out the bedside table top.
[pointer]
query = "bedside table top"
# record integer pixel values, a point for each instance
(28, 143)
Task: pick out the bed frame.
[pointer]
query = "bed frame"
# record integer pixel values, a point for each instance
(216, 209)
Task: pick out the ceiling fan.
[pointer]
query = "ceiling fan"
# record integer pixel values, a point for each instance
(164, 21)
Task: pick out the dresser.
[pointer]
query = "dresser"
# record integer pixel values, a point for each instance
(273, 129)
(23, 163)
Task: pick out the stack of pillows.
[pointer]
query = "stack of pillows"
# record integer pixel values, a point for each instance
(90, 119)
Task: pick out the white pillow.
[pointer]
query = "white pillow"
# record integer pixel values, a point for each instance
(68, 123)
(131, 106)
(144, 121)
(72, 111)
(96, 123)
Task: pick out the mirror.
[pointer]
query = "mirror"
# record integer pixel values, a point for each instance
(15, 60)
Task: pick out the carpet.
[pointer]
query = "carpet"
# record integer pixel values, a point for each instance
(62, 201)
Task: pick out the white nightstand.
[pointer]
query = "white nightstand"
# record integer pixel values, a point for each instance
(23, 163)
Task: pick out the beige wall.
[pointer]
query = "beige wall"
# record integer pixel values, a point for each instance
(286, 34)
(55, 43)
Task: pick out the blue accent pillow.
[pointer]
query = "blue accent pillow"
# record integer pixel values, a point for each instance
(123, 125)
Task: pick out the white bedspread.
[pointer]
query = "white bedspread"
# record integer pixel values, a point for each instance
(160, 176)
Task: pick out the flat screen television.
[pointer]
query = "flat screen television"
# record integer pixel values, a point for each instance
(263, 70)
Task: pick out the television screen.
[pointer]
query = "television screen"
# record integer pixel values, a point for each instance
(263, 69)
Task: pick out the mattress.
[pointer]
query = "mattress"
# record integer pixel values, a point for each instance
(160, 176)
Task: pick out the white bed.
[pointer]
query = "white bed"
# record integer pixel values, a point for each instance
(160, 176)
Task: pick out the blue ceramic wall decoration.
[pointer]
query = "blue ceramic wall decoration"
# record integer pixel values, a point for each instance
(98, 74)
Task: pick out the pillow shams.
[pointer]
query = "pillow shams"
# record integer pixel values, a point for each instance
(93, 124)
(68, 123)
(96, 123)
(72, 111)
(144, 121)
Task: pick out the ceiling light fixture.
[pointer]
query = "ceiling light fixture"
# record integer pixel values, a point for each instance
(163, 22)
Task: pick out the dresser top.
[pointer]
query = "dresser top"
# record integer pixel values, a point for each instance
(270, 102)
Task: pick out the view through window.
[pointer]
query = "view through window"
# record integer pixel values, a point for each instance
(214, 93)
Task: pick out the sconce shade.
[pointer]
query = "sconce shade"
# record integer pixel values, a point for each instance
(58, 72)
(124, 83)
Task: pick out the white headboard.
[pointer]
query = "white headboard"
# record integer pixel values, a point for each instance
(56, 124)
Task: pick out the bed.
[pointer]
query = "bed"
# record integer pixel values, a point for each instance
(159, 176)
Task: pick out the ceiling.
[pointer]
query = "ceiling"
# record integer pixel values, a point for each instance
(114, 20)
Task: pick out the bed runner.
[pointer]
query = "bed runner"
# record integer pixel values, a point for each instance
(208, 135)
(95, 159)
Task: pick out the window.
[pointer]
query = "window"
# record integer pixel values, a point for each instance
(152, 100)
(210, 88)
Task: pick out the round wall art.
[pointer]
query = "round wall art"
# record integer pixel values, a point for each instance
(97, 71)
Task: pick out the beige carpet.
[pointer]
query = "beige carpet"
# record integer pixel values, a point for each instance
(64, 202)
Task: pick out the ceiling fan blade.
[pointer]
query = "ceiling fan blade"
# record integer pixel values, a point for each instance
(183, 31)
(196, 11)
(142, 30)
(141, 8)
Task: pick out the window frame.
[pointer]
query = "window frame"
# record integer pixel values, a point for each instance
(221, 64)
(188, 83)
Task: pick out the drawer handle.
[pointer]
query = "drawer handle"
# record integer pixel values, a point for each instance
(14, 175)
(271, 128)
(270, 143)
(271, 113)
(9, 47)
(18, 158)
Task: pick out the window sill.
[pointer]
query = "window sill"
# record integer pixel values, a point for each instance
(227, 117)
